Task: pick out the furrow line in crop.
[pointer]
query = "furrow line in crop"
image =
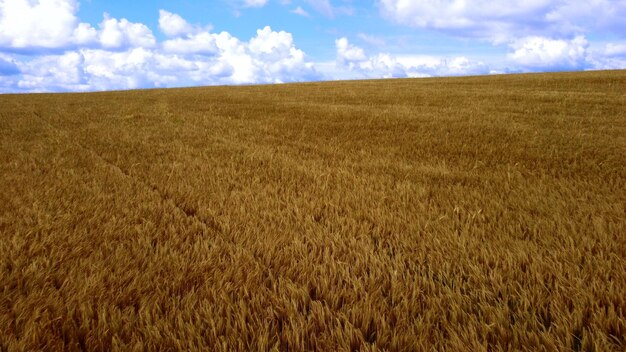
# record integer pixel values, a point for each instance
(209, 226)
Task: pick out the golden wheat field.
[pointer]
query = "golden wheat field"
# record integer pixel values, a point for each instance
(458, 214)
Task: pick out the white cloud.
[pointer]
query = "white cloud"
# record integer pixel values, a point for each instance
(608, 57)
(41, 24)
(541, 34)
(277, 58)
(544, 53)
(268, 57)
(186, 38)
(172, 25)
(85, 35)
(458, 66)
(503, 20)
(272, 45)
(300, 11)
(203, 43)
(254, 3)
(44, 47)
(382, 65)
(348, 54)
(134, 68)
(53, 73)
(119, 34)
(613, 49)
(129, 58)
(608, 63)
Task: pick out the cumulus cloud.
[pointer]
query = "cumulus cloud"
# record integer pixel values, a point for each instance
(269, 57)
(503, 20)
(128, 57)
(120, 54)
(536, 52)
(202, 43)
(98, 69)
(610, 56)
(134, 68)
(44, 46)
(44, 26)
(41, 24)
(540, 34)
(172, 25)
(277, 57)
(354, 59)
(53, 73)
(348, 54)
(85, 35)
(271, 45)
(456, 66)
(118, 34)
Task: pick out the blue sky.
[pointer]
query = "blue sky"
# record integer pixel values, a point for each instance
(71, 45)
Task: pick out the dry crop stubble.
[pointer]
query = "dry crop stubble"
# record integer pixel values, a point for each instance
(480, 213)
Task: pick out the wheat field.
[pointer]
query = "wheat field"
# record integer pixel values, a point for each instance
(457, 214)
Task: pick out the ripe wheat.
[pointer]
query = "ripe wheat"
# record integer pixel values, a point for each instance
(478, 214)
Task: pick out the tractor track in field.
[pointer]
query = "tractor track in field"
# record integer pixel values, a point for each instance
(210, 226)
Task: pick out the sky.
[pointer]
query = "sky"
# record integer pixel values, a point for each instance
(94, 45)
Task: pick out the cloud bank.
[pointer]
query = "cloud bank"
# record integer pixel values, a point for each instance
(355, 60)
(541, 35)
(58, 53)
(504, 20)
